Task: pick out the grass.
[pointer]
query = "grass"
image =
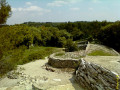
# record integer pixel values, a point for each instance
(35, 53)
(22, 55)
(60, 54)
(99, 53)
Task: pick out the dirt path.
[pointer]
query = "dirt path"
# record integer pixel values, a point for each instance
(34, 74)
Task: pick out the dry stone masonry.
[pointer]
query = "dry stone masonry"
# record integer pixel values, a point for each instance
(63, 63)
(95, 77)
(88, 75)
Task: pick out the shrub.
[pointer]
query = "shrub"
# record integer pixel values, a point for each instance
(71, 46)
(35, 56)
(6, 66)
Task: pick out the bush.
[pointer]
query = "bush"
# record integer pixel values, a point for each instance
(6, 66)
(71, 46)
(35, 56)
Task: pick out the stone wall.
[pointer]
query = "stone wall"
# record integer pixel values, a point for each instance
(95, 77)
(82, 45)
(63, 63)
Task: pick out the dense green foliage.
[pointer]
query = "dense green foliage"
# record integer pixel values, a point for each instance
(106, 33)
(21, 35)
(71, 46)
(78, 30)
(110, 35)
(5, 11)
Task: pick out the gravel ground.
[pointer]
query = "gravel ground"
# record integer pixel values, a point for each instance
(35, 74)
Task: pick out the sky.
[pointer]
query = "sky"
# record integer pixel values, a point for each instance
(63, 10)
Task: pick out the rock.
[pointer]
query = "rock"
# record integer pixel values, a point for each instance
(91, 80)
(99, 87)
(109, 79)
(92, 70)
(12, 75)
(96, 67)
(58, 80)
(87, 79)
(95, 77)
(35, 87)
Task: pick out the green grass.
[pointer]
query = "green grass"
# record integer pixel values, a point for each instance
(35, 53)
(22, 55)
(60, 54)
(100, 53)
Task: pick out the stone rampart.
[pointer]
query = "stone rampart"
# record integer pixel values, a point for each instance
(94, 77)
(63, 63)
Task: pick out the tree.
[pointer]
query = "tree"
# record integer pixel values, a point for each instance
(5, 11)
(110, 35)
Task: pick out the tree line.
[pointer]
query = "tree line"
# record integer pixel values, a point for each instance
(103, 32)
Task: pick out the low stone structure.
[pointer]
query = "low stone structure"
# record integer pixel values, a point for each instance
(63, 63)
(94, 77)
(89, 75)
(82, 45)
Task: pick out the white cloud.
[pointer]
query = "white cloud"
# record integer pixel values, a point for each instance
(75, 9)
(28, 3)
(57, 3)
(71, 1)
(96, 1)
(29, 13)
(90, 8)
(31, 8)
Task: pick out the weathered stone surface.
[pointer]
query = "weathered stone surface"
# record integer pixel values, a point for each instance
(96, 67)
(12, 75)
(91, 80)
(109, 79)
(34, 87)
(92, 70)
(95, 77)
(102, 81)
(86, 79)
(63, 63)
